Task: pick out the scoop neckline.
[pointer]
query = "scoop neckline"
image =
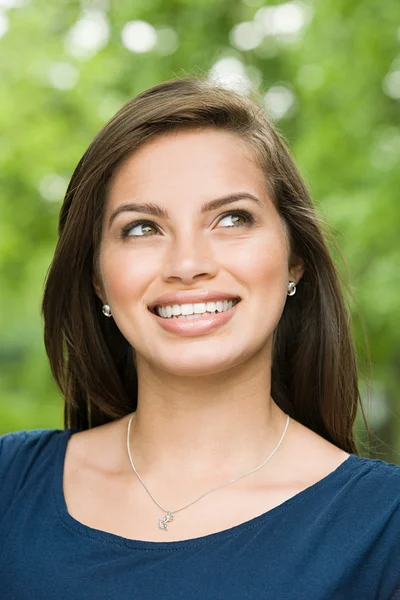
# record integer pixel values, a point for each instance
(114, 539)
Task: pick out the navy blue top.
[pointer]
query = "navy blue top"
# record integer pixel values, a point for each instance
(338, 539)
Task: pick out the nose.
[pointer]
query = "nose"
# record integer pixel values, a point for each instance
(188, 259)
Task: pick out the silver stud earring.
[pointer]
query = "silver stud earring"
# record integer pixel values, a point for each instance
(291, 290)
(106, 310)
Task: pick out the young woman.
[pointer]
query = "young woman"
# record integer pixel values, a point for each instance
(195, 325)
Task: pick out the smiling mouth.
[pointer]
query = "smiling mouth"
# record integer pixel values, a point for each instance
(211, 309)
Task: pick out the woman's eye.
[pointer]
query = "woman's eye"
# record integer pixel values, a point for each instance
(141, 226)
(235, 217)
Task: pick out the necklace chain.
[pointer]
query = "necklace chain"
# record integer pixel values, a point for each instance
(169, 514)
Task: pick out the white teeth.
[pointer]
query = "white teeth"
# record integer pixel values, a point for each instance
(194, 310)
(199, 308)
(187, 309)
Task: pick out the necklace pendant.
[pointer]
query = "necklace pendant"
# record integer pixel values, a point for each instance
(163, 523)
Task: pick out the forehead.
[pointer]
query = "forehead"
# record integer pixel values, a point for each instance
(195, 163)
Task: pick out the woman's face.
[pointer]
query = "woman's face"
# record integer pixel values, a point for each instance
(239, 248)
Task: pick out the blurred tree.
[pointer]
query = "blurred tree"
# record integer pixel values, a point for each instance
(330, 75)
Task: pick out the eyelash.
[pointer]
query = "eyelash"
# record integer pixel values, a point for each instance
(242, 213)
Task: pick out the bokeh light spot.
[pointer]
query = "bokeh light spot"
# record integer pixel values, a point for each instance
(7, 4)
(385, 154)
(139, 36)
(52, 187)
(391, 85)
(230, 72)
(167, 41)
(285, 20)
(279, 101)
(4, 24)
(247, 35)
(63, 75)
(89, 35)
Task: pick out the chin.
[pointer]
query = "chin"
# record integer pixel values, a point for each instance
(194, 365)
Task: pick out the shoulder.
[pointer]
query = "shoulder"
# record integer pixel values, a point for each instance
(317, 458)
(377, 476)
(357, 489)
(377, 469)
(371, 495)
(20, 443)
(99, 448)
(365, 498)
(23, 454)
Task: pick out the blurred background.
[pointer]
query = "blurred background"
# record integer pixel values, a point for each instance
(329, 74)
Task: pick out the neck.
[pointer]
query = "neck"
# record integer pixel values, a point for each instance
(225, 422)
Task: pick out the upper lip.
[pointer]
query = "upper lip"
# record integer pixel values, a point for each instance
(186, 297)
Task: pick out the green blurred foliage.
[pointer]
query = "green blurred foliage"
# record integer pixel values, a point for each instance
(340, 75)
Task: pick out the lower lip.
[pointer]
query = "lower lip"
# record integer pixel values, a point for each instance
(199, 326)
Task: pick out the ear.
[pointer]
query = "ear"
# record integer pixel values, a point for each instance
(98, 288)
(296, 267)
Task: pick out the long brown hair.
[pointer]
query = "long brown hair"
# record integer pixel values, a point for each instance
(314, 371)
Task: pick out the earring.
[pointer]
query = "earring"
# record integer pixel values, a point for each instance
(106, 310)
(291, 288)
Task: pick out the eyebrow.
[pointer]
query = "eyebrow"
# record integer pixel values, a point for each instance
(159, 211)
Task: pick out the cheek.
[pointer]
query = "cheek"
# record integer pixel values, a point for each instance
(126, 274)
(263, 261)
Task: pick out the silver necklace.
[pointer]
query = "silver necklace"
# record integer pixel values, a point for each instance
(169, 514)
